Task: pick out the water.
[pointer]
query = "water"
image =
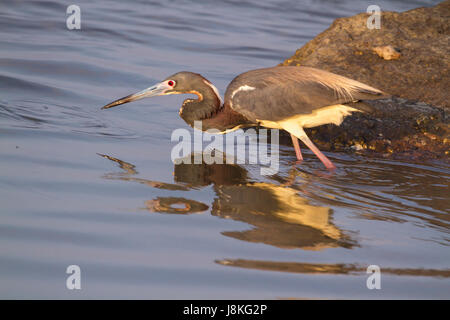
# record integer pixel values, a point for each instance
(97, 189)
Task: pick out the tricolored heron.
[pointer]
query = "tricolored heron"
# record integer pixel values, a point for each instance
(289, 98)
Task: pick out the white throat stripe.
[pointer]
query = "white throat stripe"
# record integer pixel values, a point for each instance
(215, 90)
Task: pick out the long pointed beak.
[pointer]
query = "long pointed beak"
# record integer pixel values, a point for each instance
(156, 90)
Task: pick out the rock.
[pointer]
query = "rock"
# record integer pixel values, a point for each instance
(396, 127)
(415, 120)
(422, 36)
(387, 52)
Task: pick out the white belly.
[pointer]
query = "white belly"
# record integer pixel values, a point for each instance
(331, 114)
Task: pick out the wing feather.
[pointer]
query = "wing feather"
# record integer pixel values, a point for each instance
(282, 92)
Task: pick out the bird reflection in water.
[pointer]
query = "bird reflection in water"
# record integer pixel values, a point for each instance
(280, 216)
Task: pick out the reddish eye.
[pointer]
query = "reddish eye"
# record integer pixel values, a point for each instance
(171, 83)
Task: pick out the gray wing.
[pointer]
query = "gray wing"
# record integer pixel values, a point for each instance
(282, 92)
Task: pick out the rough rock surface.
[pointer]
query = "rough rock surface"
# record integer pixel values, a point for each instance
(418, 124)
(396, 127)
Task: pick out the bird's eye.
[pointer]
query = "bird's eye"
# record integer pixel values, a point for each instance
(171, 83)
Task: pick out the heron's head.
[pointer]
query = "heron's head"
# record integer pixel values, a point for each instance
(178, 83)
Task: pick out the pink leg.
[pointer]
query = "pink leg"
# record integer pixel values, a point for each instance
(317, 152)
(298, 152)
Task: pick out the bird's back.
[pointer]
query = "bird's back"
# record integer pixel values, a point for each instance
(279, 93)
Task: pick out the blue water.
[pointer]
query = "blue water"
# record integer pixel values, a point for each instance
(97, 189)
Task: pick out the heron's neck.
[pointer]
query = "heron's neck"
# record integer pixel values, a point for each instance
(209, 110)
(204, 107)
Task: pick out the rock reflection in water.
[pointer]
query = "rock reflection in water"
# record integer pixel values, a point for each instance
(324, 268)
(279, 215)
